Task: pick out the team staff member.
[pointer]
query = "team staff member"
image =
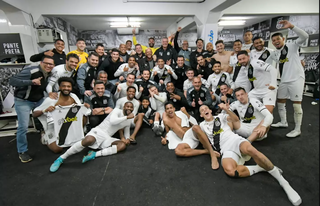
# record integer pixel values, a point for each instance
(292, 76)
(81, 46)
(167, 52)
(57, 53)
(199, 51)
(147, 62)
(145, 83)
(101, 103)
(183, 51)
(100, 50)
(30, 85)
(180, 69)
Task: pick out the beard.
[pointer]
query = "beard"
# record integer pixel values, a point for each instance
(151, 45)
(64, 94)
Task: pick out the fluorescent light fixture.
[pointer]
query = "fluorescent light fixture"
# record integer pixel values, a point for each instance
(234, 17)
(124, 24)
(3, 21)
(231, 23)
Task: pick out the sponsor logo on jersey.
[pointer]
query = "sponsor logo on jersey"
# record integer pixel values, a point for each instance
(249, 118)
(218, 132)
(252, 79)
(283, 60)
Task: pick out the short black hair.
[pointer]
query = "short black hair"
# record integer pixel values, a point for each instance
(138, 45)
(72, 55)
(217, 62)
(115, 50)
(199, 40)
(55, 41)
(99, 45)
(238, 89)
(144, 98)
(256, 38)
(170, 82)
(128, 103)
(81, 39)
(131, 74)
(238, 40)
(277, 34)
(128, 41)
(200, 55)
(47, 57)
(223, 84)
(98, 82)
(180, 56)
(132, 57)
(146, 70)
(93, 54)
(131, 87)
(167, 103)
(247, 31)
(65, 79)
(151, 38)
(160, 58)
(219, 42)
(190, 69)
(242, 52)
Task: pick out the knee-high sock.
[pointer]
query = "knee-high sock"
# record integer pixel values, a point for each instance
(77, 147)
(291, 193)
(282, 112)
(107, 151)
(253, 169)
(297, 116)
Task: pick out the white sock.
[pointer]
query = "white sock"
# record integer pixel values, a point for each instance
(282, 112)
(107, 151)
(77, 147)
(297, 116)
(156, 123)
(253, 169)
(293, 196)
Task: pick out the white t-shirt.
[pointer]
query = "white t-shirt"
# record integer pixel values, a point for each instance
(246, 46)
(120, 104)
(292, 68)
(214, 79)
(254, 54)
(157, 102)
(164, 71)
(68, 123)
(123, 91)
(256, 109)
(121, 72)
(57, 72)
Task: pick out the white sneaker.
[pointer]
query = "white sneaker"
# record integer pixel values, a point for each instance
(280, 124)
(262, 138)
(293, 133)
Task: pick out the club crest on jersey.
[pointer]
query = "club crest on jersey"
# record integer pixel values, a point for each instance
(284, 52)
(105, 101)
(160, 53)
(74, 110)
(223, 79)
(264, 56)
(217, 123)
(201, 95)
(210, 65)
(168, 53)
(250, 110)
(250, 71)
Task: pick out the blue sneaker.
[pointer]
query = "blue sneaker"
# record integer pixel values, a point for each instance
(56, 164)
(90, 156)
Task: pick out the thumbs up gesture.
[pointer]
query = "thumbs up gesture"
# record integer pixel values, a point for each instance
(37, 81)
(200, 102)
(49, 53)
(125, 69)
(193, 104)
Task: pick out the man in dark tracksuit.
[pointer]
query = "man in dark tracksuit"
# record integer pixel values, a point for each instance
(101, 103)
(197, 52)
(145, 83)
(198, 95)
(167, 53)
(204, 68)
(30, 85)
(176, 97)
(147, 62)
(57, 53)
(111, 65)
(180, 69)
(87, 73)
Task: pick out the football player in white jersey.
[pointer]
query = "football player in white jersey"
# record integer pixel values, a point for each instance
(263, 77)
(215, 134)
(100, 137)
(254, 116)
(261, 52)
(292, 76)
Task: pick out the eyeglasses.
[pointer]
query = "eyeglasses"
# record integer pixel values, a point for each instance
(49, 64)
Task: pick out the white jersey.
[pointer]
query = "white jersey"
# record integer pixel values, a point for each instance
(188, 83)
(264, 55)
(57, 72)
(249, 113)
(163, 73)
(291, 70)
(120, 104)
(263, 75)
(242, 79)
(123, 91)
(121, 72)
(157, 102)
(246, 46)
(214, 79)
(68, 124)
(115, 121)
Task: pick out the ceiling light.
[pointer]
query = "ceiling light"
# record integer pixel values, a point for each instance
(124, 24)
(3, 21)
(134, 24)
(234, 18)
(231, 23)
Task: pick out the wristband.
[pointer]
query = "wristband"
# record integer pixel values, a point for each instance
(44, 111)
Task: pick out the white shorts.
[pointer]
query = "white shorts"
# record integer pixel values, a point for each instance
(268, 97)
(292, 90)
(233, 143)
(101, 136)
(173, 140)
(245, 129)
(190, 139)
(49, 137)
(240, 160)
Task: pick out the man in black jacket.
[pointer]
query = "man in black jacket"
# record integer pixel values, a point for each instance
(180, 69)
(144, 83)
(176, 97)
(111, 65)
(100, 50)
(147, 62)
(196, 53)
(166, 52)
(30, 85)
(57, 53)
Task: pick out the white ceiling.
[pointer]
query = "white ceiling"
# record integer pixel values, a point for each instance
(82, 22)
(250, 20)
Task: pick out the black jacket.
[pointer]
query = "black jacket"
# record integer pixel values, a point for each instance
(110, 67)
(181, 73)
(193, 57)
(144, 64)
(146, 85)
(206, 70)
(58, 58)
(169, 53)
(178, 103)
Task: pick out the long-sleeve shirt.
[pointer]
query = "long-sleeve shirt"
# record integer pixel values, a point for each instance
(57, 72)
(157, 101)
(180, 51)
(162, 74)
(203, 94)
(123, 92)
(153, 49)
(85, 76)
(120, 71)
(57, 57)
